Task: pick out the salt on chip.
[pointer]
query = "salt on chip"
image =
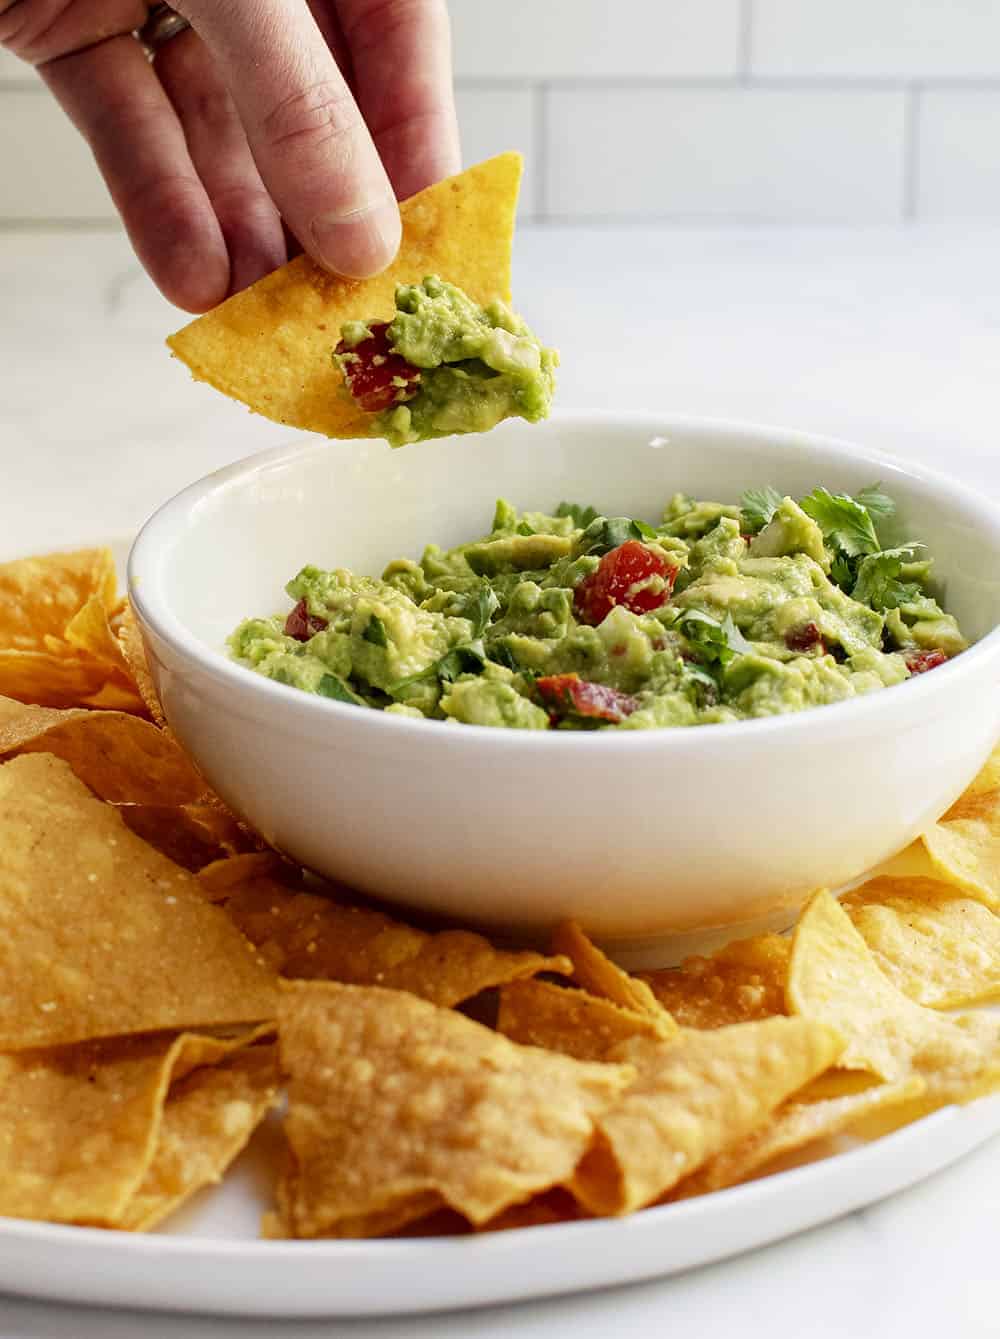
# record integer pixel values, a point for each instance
(271, 346)
(207, 1120)
(964, 846)
(40, 596)
(597, 973)
(936, 945)
(795, 1126)
(100, 935)
(740, 982)
(694, 1097)
(121, 758)
(392, 1100)
(308, 937)
(79, 1124)
(560, 1018)
(833, 978)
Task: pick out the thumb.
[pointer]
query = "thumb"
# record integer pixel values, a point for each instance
(308, 138)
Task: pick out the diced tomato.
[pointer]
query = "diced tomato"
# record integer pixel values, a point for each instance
(805, 639)
(918, 662)
(569, 695)
(302, 625)
(631, 575)
(374, 372)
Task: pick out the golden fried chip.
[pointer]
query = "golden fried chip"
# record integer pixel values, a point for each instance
(207, 1120)
(308, 937)
(134, 652)
(121, 758)
(554, 1206)
(964, 847)
(796, 1125)
(271, 346)
(834, 979)
(222, 876)
(89, 630)
(49, 680)
(912, 862)
(100, 935)
(115, 695)
(560, 1018)
(392, 1100)
(693, 1098)
(597, 973)
(79, 1124)
(39, 596)
(193, 835)
(937, 946)
(742, 981)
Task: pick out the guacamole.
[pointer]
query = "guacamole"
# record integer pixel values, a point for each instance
(445, 365)
(579, 621)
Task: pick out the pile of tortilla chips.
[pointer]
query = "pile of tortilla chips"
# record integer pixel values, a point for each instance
(164, 979)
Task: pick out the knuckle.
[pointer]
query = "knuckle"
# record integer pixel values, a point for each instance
(376, 22)
(308, 121)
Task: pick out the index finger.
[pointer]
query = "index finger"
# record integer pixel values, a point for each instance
(308, 137)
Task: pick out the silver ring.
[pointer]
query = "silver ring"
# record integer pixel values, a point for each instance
(163, 24)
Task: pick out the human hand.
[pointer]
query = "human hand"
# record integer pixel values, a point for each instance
(312, 114)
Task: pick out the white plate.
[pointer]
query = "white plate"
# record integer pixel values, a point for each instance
(208, 1258)
(207, 1263)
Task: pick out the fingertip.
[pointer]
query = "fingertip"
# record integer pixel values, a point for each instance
(360, 243)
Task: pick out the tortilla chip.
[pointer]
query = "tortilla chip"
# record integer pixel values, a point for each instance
(392, 1101)
(49, 680)
(964, 847)
(937, 946)
(554, 1206)
(271, 346)
(39, 596)
(834, 979)
(89, 630)
(796, 1125)
(121, 758)
(308, 937)
(912, 862)
(195, 836)
(218, 879)
(741, 982)
(207, 1121)
(694, 1097)
(596, 972)
(560, 1018)
(79, 1124)
(100, 935)
(115, 695)
(130, 639)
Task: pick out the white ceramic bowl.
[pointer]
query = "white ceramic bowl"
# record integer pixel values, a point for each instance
(640, 836)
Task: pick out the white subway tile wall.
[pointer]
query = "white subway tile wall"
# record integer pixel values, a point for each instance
(769, 110)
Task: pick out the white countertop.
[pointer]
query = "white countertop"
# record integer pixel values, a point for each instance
(886, 336)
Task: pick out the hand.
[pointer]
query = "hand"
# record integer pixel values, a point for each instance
(312, 114)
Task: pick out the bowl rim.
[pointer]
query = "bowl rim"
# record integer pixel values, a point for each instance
(309, 710)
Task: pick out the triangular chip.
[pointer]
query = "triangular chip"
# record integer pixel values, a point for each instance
(597, 973)
(936, 945)
(192, 835)
(308, 937)
(742, 981)
(39, 596)
(79, 1124)
(130, 639)
(50, 680)
(100, 935)
(89, 630)
(394, 1103)
(560, 1018)
(964, 847)
(694, 1097)
(121, 758)
(271, 346)
(834, 979)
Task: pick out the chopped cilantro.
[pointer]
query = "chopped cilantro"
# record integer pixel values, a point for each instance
(845, 522)
(480, 607)
(605, 533)
(875, 502)
(375, 632)
(878, 582)
(582, 516)
(757, 506)
(332, 687)
(712, 642)
(523, 528)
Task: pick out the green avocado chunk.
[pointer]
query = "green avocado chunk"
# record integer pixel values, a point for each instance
(502, 631)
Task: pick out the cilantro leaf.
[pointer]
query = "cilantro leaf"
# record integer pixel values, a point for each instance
(878, 583)
(843, 572)
(479, 608)
(714, 643)
(332, 687)
(605, 533)
(876, 503)
(845, 522)
(757, 506)
(523, 528)
(375, 632)
(582, 516)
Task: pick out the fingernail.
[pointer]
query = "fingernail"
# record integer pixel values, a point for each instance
(361, 243)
